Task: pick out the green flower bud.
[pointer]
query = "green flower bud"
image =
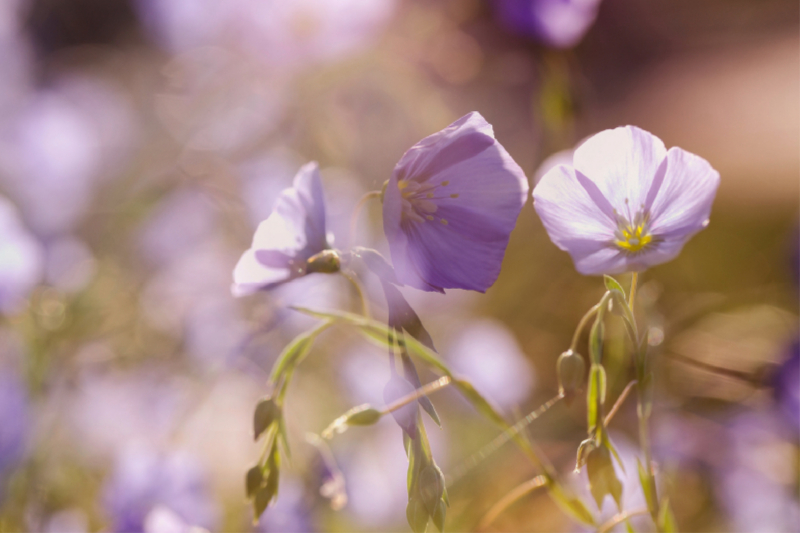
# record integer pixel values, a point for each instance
(326, 262)
(431, 487)
(571, 373)
(602, 477)
(363, 416)
(417, 515)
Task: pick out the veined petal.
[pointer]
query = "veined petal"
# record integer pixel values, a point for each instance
(458, 220)
(279, 232)
(462, 139)
(623, 162)
(308, 185)
(293, 232)
(569, 213)
(682, 204)
(250, 275)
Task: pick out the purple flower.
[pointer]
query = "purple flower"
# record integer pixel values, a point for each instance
(450, 206)
(556, 23)
(14, 422)
(288, 238)
(506, 378)
(626, 203)
(21, 259)
(144, 482)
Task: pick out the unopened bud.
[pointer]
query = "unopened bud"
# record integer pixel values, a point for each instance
(326, 262)
(431, 487)
(363, 416)
(571, 373)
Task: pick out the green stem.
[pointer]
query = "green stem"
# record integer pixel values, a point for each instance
(585, 320)
(357, 286)
(643, 414)
(357, 211)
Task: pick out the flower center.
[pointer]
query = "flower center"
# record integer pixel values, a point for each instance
(420, 200)
(633, 237)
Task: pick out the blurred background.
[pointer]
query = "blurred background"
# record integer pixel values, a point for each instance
(141, 142)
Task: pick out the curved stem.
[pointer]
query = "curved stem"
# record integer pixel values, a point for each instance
(582, 324)
(504, 437)
(619, 402)
(518, 492)
(357, 286)
(618, 519)
(426, 389)
(357, 211)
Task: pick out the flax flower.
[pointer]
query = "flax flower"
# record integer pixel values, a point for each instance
(450, 206)
(289, 240)
(626, 203)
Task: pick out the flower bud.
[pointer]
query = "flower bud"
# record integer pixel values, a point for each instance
(326, 262)
(363, 416)
(431, 487)
(571, 373)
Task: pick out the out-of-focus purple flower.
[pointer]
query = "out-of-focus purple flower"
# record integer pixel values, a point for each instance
(286, 34)
(787, 386)
(70, 264)
(290, 513)
(57, 145)
(14, 420)
(487, 354)
(556, 23)
(217, 100)
(450, 206)
(757, 478)
(287, 239)
(626, 203)
(144, 482)
(21, 259)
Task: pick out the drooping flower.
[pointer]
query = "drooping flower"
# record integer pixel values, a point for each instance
(556, 23)
(291, 242)
(626, 203)
(450, 206)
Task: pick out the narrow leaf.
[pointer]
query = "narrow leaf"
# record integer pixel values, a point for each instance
(253, 480)
(595, 398)
(613, 285)
(645, 406)
(570, 505)
(296, 350)
(666, 519)
(413, 377)
(644, 479)
(265, 414)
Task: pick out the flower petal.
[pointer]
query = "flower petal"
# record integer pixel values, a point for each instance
(293, 232)
(250, 275)
(623, 163)
(464, 138)
(682, 204)
(478, 194)
(569, 212)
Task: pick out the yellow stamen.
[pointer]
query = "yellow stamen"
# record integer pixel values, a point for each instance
(634, 239)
